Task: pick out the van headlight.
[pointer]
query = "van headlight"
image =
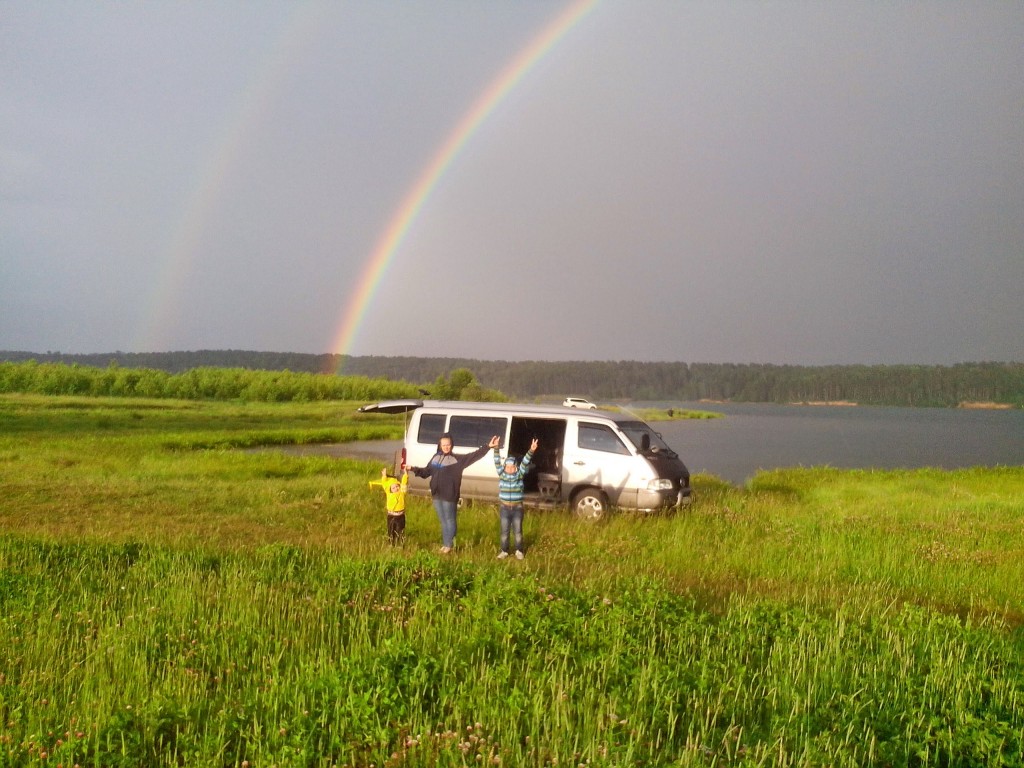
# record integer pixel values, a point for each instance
(660, 484)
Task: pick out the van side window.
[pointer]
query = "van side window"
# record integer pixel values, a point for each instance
(431, 428)
(598, 437)
(474, 431)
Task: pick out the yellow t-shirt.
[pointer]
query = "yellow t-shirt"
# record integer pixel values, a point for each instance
(395, 499)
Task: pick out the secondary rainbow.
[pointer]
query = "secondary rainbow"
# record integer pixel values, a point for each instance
(376, 266)
(248, 109)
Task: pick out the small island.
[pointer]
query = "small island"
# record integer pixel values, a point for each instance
(665, 414)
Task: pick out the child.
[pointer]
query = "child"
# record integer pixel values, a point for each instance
(510, 497)
(395, 491)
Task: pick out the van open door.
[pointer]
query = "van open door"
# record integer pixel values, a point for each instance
(542, 484)
(391, 406)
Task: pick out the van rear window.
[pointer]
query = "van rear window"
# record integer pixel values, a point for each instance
(474, 431)
(431, 428)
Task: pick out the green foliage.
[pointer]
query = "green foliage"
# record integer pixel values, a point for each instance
(168, 600)
(666, 414)
(196, 384)
(461, 384)
(226, 384)
(288, 658)
(906, 385)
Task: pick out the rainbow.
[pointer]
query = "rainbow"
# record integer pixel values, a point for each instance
(220, 158)
(403, 218)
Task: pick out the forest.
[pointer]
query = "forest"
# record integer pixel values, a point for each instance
(897, 385)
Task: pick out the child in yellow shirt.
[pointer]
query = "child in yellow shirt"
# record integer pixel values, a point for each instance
(395, 492)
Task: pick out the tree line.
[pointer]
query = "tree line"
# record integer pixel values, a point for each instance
(209, 383)
(205, 383)
(902, 385)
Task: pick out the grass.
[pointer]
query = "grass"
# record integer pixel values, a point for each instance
(665, 414)
(169, 599)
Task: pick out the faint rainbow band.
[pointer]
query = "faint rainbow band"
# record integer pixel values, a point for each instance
(248, 109)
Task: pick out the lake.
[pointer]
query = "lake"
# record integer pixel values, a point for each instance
(754, 436)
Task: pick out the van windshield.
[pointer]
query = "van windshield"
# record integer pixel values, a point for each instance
(636, 430)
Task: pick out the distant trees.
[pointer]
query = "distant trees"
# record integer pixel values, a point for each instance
(461, 384)
(225, 374)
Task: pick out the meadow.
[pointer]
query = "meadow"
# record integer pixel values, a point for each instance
(170, 598)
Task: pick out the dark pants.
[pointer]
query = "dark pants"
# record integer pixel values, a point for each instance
(511, 518)
(396, 527)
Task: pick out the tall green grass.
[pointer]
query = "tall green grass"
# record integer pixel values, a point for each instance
(167, 598)
(139, 655)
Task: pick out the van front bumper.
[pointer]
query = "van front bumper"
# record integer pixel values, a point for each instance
(655, 501)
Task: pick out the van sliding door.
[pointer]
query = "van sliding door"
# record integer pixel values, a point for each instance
(596, 457)
(546, 466)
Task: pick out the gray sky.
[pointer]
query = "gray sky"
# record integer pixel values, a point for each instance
(785, 182)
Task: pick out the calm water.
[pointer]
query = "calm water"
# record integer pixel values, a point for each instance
(760, 436)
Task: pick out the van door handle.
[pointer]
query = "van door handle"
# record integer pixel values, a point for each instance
(579, 463)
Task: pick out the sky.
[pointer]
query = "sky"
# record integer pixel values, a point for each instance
(654, 180)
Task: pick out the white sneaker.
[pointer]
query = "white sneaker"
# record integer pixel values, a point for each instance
(502, 555)
(519, 554)
(445, 550)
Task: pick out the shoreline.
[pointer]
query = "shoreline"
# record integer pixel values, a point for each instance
(970, 405)
(844, 403)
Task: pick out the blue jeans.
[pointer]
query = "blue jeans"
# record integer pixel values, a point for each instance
(446, 515)
(511, 518)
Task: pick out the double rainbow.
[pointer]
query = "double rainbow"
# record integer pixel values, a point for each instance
(403, 218)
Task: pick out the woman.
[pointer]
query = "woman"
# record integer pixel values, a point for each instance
(445, 473)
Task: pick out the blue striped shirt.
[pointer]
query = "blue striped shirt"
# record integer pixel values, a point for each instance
(510, 484)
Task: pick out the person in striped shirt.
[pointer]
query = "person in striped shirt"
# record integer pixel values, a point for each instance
(510, 497)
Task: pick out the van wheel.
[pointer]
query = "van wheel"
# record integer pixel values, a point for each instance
(590, 504)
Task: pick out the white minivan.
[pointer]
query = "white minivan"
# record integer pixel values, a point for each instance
(590, 460)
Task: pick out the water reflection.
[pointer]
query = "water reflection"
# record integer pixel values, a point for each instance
(761, 436)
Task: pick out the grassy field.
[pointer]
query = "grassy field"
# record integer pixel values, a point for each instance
(168, 598)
